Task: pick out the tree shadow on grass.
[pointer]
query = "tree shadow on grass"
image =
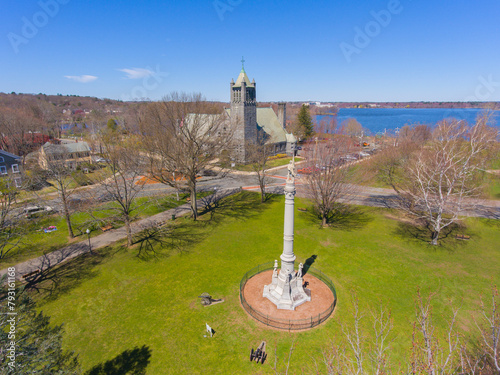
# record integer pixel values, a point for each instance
(344, 217)
(152, 242)
(161, 242)
(129, 362)
(422, 234)
(242, 206)
(495, 223)
(54, 280)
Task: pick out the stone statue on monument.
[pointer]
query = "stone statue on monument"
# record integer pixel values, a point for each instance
(300, 270)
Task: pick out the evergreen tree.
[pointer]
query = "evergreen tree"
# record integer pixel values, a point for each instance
(305, 121)
(38, 345)
(112, 125)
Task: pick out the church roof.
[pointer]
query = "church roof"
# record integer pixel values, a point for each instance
(268, 121)
(243, 77)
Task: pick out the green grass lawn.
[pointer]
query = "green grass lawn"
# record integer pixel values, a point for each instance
(492, 185)
(114, 303)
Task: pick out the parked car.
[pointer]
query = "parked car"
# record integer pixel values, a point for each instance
(106, 197)
(34, 211)
(208, 173)
(348, 158)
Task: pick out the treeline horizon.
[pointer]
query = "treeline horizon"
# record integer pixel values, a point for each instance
(65, 100)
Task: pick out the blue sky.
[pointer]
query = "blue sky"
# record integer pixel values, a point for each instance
(404, 50)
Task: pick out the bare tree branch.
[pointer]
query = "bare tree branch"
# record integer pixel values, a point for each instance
(182, 136)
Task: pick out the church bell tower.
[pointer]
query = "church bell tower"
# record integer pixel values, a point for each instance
(243, 113)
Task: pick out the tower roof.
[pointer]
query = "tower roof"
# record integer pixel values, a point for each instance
(243, 77)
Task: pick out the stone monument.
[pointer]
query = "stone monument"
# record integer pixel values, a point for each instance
(286, 290)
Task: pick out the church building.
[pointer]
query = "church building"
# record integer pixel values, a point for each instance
(252, 124)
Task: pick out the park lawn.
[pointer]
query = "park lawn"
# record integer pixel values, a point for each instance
(37, 242)
(492, 185)
(121, 302)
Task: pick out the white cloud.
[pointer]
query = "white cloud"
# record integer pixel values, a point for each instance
(82, 79)
(137, 73)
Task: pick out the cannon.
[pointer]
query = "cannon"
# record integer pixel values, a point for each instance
(206, 299)
(259, 354)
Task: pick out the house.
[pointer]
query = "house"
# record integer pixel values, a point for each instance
(70, 154)
(10, 167)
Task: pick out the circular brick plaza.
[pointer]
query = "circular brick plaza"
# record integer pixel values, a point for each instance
(305, 316)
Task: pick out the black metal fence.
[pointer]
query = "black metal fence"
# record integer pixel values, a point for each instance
(287, 324)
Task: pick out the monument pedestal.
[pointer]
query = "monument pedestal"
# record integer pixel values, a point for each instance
(286, 291)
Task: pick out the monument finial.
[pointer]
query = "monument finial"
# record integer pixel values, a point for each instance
(242, 64)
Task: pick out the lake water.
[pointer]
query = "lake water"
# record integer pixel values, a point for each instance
(379, 119)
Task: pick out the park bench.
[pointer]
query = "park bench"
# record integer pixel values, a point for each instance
(107, 227)
(462, 237)
(30, 275)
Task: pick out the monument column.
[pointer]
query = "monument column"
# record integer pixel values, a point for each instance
(286, 290)
(288, 257)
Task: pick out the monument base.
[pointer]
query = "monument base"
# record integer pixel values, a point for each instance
(287, 291)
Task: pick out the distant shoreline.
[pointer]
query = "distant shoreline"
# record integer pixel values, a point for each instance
(410, 105)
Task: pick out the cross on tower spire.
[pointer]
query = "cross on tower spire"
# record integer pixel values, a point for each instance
(242, 64)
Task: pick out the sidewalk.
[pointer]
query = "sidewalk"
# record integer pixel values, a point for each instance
(64, 254)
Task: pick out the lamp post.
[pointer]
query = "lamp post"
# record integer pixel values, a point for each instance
(88, 236)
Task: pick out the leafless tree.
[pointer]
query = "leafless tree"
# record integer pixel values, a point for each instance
(63, 178)
(418, 133)
(258, 156)
(354, 129)
(10, 221)
(327, 126)
(489, 329)
(429, 355)
(17, 128)
(183, 135)
(327, 175)
(364, 341)
(358, 351)
(126, 164)
(286, 363)
(440, 179)
(388, 163)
